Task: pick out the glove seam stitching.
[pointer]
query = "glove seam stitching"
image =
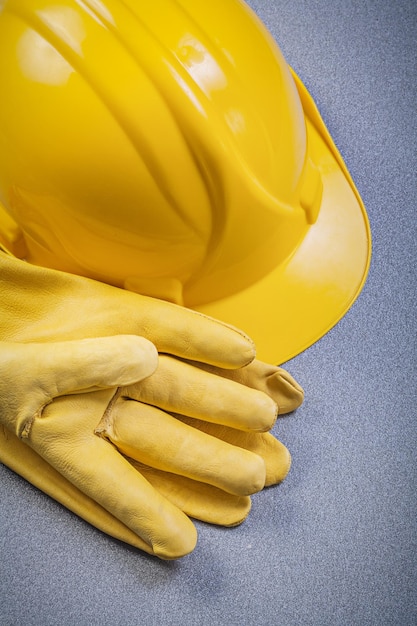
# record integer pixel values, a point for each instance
(105, 423)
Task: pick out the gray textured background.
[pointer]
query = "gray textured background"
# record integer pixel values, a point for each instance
(335, 544)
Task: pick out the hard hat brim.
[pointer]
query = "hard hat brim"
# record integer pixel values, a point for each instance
(302, 299)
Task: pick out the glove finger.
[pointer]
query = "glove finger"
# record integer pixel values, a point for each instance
(64, 437)
(191, 335)
(198, 500)
(181, 387)
(110, 311)
(157, 439)
(99, 362)
(276, 456)
(275, 381)
(41, 372)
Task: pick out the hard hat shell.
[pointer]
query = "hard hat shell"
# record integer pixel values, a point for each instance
(166, 147)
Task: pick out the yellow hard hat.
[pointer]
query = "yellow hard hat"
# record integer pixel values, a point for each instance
(166, 147)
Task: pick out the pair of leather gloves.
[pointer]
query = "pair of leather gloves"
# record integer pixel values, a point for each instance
(134, 413)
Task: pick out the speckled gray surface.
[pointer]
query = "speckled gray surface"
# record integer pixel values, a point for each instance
(335, 544)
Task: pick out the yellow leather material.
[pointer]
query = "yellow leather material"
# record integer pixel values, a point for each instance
(188, 439)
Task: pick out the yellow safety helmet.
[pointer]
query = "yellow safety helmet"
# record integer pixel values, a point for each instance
(165, 146)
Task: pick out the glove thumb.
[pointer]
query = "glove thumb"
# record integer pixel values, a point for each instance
(32, 375)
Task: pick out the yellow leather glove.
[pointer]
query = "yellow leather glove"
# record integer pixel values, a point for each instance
(47, 306)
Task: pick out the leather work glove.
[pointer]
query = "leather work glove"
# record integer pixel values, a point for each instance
(100, 451)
